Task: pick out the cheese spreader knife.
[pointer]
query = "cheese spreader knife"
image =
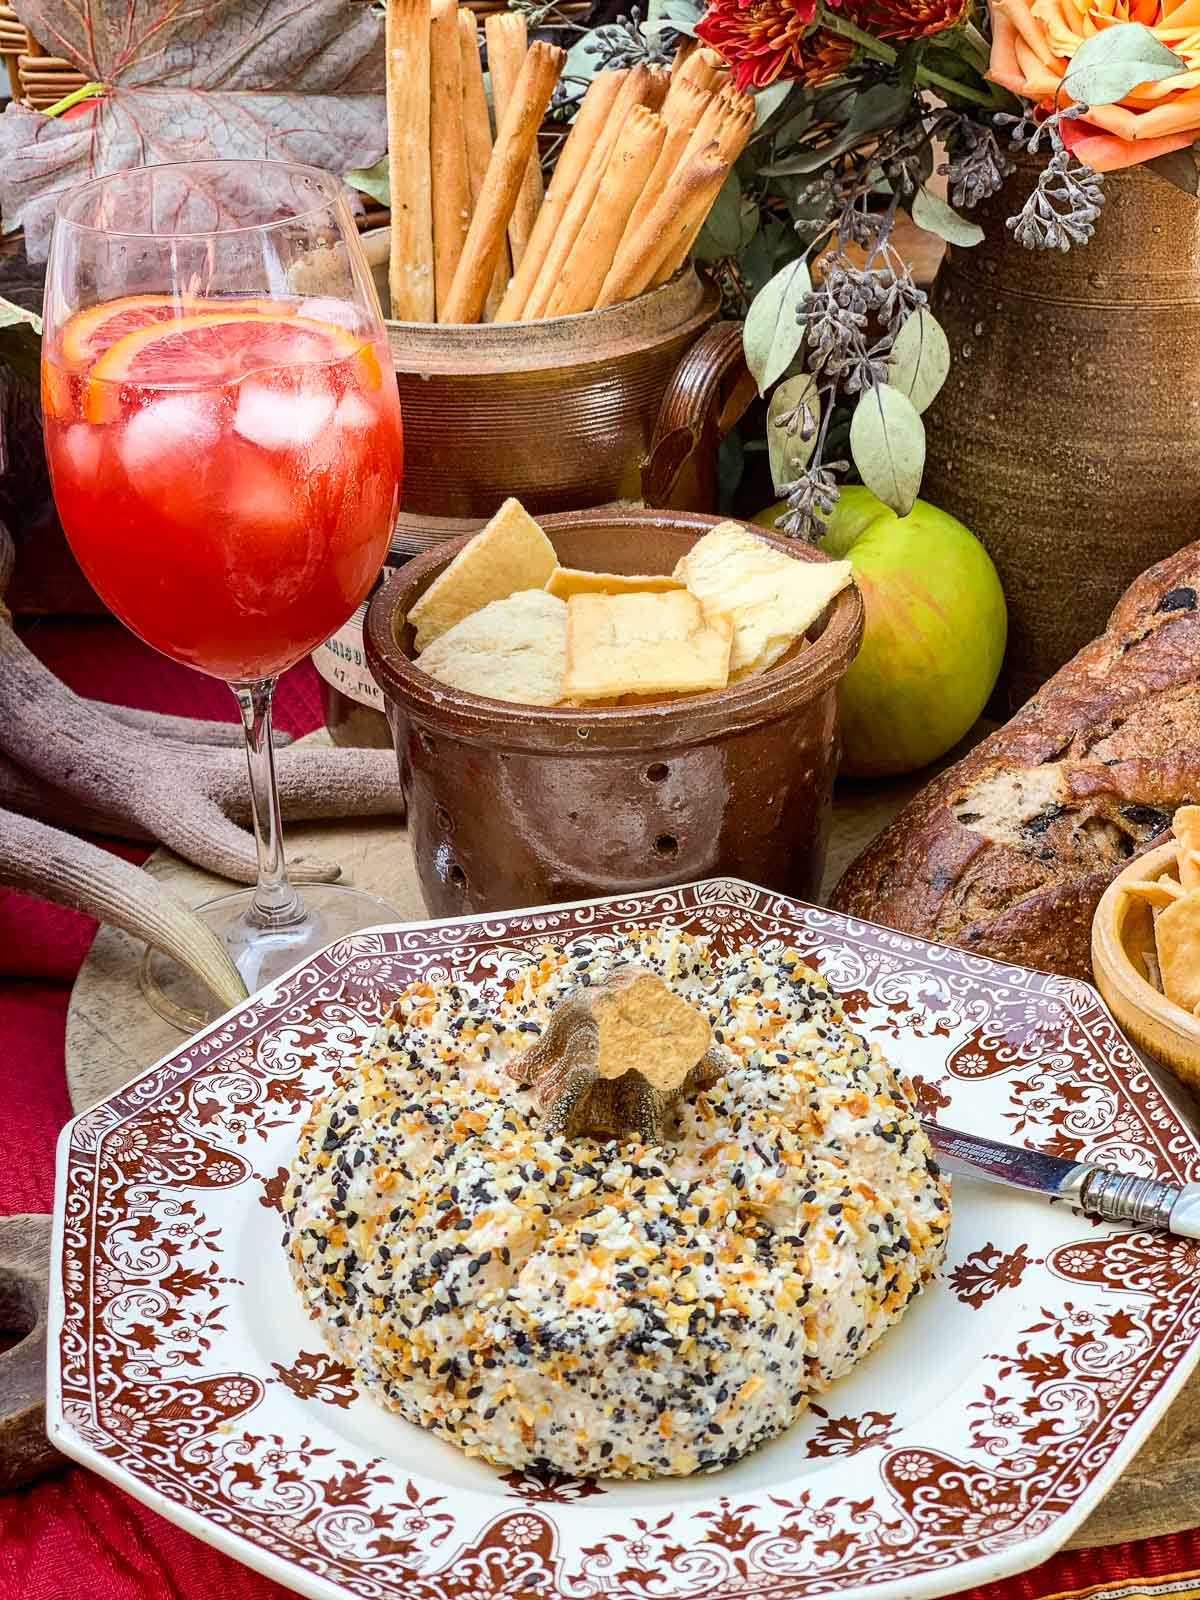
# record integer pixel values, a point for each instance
(1116, 1196)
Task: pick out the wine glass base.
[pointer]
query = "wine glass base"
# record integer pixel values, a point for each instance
(332, 910)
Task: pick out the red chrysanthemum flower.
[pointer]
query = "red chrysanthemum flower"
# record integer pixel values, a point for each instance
(908, 19)
(768, 39)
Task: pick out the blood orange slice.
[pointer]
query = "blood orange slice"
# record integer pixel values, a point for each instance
(89, 333)
(204, 352)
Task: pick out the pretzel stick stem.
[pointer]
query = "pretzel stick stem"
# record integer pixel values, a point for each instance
(410, 271)
(515, 142)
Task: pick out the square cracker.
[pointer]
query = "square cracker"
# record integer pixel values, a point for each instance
(566, 581)
(772, 598)
(510, 555)
(643, 644)
(513, 649)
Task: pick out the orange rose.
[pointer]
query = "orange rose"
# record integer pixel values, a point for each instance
(1032, 45)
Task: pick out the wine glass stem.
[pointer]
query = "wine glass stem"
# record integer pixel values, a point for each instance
(276, 903)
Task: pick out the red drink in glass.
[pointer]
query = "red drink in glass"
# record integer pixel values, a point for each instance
(226, 470)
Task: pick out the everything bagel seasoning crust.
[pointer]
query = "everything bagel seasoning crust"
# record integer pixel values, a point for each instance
(600, 1306)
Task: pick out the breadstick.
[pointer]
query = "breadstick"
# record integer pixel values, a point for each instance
(631, 163)
(672, 147)
(515, 142)
(574, 159)
(632, 93)
(731, 141)
(507, 44)
(682, 206)
(410, 273)
(687, 46)
(478, 127)
(681, 121)
(717, 65)
(447, 147)
(659, 88)
(696, 68)
(712, 120)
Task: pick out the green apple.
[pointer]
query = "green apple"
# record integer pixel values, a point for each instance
(934, 636)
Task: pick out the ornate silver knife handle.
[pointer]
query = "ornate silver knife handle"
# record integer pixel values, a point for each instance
(1121, 1197)
(1116, 1196)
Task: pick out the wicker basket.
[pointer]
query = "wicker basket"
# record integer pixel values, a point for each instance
(35, 78)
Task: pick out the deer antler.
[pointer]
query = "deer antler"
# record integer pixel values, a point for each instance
(186, 795)
(142, 776)
(72, 872)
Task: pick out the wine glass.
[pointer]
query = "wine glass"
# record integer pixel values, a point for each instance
(223, 431)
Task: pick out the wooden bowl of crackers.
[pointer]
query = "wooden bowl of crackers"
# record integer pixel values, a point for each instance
(1146, 949)
(613, 700)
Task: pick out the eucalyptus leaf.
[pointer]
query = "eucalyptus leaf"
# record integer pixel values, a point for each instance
(1180, 167)
(581, 62)
(731, 223)
(760, 259)
(794, 411)
(920, 358)
(681, 15)
(372, 181)
(878, 107)
(20, 339)
(772, 331)
(768, 101)
(930, 211)
(887, 441)
(1115, 60)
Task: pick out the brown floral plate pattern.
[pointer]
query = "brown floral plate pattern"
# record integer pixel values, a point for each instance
(967, 1446)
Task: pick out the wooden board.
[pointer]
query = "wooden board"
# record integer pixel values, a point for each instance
(112, 1034)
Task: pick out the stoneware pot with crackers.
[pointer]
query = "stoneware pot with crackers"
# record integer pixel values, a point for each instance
(622, 701)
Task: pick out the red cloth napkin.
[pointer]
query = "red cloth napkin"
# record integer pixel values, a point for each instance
(74, 1536)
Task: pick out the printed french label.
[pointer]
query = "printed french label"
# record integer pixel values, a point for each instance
(342, 662)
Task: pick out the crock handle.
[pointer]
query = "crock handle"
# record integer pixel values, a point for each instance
(708, 393)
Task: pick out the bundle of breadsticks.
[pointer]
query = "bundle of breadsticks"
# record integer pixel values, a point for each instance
(475, 238)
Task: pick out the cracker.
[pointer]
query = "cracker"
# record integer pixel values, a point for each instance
(643, 644)
(772, 598)
(1156, 892)
(566, 581)
(1185, 825)
(1177, 938)
(510, 555)
(647, 1027)
(513, 649)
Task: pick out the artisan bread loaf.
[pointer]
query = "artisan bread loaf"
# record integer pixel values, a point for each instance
(1008, 852)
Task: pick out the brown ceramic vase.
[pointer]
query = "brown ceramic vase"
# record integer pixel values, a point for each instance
(1067, 435)
(513, 805)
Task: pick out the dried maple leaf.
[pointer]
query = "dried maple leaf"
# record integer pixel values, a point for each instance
(194, 80)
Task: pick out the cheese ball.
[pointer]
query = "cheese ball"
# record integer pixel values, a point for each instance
(602, 1307)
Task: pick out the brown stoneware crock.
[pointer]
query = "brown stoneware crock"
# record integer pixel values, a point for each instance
(512, 805)
(624, 404)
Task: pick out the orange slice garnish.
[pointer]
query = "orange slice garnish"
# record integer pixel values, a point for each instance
(89, 333)
(207, 351)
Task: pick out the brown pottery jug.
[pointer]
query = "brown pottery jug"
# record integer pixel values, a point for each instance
(513, 805)
(1067, 436)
